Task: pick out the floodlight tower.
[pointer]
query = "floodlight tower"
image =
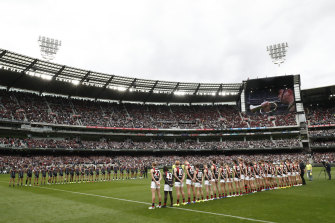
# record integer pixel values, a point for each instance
(277, 52)
(48, 47)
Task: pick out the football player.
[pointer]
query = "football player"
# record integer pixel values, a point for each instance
(179, 175)
(156, 177)
(168, 179)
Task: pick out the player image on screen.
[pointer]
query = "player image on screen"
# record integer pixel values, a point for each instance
(285, 98)
(270, 96)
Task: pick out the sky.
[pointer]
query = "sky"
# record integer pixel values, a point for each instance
(209, 41)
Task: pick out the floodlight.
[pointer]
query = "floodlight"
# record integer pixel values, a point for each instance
(48, 47)
(180, 93)
(277, 52)
(120, 88)
(75, 82)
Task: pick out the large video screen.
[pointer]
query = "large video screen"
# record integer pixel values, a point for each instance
(270, 95)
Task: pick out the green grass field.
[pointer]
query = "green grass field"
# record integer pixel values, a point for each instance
(128, 201)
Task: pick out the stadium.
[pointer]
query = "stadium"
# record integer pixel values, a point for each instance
(80, 145)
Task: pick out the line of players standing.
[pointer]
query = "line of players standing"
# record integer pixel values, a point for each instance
(74, 174)
(222, 180)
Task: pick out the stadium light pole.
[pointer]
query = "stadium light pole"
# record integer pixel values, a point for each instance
(48, 47)
(277, 52)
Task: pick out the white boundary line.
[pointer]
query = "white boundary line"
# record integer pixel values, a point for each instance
(146, 203)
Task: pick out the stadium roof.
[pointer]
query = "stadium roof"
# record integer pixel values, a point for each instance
(29, 73)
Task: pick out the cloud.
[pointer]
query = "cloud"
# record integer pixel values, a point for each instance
(196, 41)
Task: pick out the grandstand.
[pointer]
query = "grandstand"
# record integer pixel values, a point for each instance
(52, 106)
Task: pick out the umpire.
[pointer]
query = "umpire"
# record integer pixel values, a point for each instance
(302, 172)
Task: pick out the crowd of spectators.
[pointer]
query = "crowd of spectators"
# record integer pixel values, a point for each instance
(320, 115)
(152, 145)
(323, 143)
(7, 162)
(24, 106)
(320, 157)
(260, 121)
(285, 120)
(322, 133)
(328, 133)
(12, 142)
